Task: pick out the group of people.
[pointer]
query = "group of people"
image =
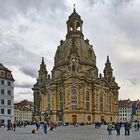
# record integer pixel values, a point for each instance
(137, 126)
(45, 126)
(117, 126)
(11, 126)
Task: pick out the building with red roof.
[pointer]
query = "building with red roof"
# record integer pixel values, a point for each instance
(6, 95)
(23, 111)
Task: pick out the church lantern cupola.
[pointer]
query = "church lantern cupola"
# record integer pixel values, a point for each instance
(74, 25)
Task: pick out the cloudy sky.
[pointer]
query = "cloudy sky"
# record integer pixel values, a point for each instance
(30, 29)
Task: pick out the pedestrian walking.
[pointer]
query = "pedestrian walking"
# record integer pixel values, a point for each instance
(138, 126)
(51, 126)
(118, 127)
(37, 125)
(135, 127)
(45, 128)
(127, 128)
(109, 129)
(14, 126)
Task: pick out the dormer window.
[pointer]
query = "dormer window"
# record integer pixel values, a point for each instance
(8, 75)
(2, 73)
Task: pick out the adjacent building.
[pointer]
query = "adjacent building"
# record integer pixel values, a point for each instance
(6, 95)
(75, 91)
(129, 110)
(138, 111)
(125, 110)
(23, 111)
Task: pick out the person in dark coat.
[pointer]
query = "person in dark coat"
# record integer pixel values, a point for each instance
(14, 126)
(138, 126)
(118, 127)
(127, 128)
(45, 128)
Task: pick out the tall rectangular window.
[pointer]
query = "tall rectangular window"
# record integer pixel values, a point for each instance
(73, 99)
(2, 101)
(9, 111)
(8, 102)
(2, 110)
(2, 91)
(87, 105)
(49, 106)
(2, 73)
(2, 82)
(9, 93)
(61, 101)
(9, 83)
(101, 103)
(87, 101)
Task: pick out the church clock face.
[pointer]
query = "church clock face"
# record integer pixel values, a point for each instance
(73, 60)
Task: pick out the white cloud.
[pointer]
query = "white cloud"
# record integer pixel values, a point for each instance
(23, 93)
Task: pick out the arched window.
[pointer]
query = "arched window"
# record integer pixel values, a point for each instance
(87, 96)
(89, 118)
(49, 106)
(110, 103)
(101, 102)
(87, 101)
(78, 28)
(71, 28)
(61, 101)
(73, 99)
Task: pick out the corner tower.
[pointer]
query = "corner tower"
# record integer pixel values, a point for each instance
(108, 71)
(42, 71)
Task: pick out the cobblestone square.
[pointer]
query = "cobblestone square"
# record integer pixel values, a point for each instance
(66, 133)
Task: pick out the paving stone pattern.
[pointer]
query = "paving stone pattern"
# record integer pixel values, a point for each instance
(67, 133)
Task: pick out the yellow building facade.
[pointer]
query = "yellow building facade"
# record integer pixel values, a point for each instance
(75, 92)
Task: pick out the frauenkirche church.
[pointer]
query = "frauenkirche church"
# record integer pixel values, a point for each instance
(75, 92)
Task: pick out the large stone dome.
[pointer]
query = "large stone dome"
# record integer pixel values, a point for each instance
(75, 44)
(75, 54)
(84, 50)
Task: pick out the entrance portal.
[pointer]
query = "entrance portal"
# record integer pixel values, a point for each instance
(102, 119)
(74, 119)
